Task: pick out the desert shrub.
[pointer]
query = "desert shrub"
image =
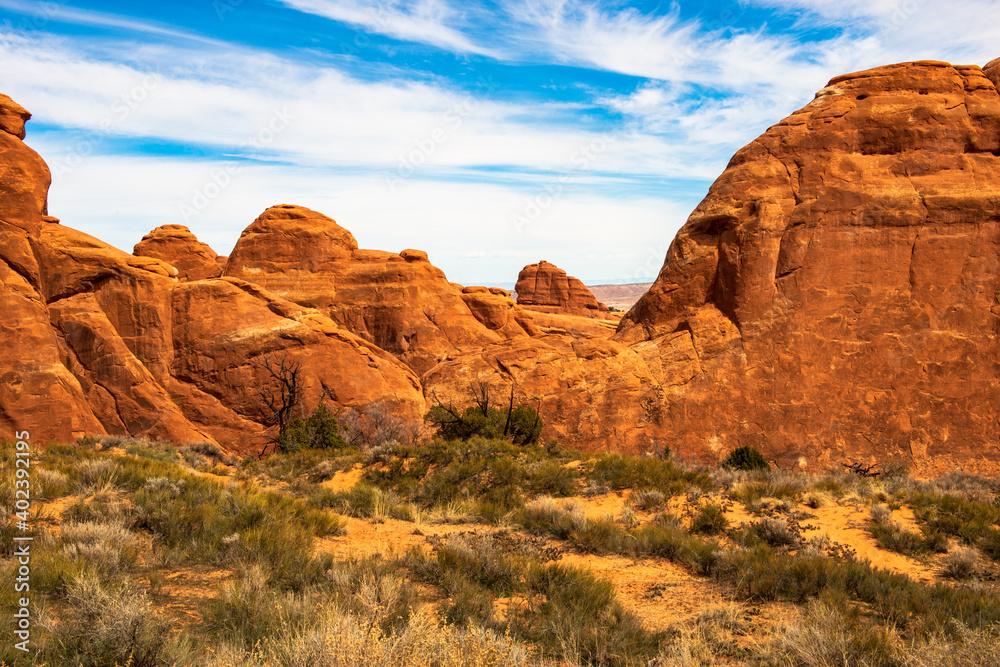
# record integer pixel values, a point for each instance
(95, 475)
(376, 427)
(961, 647)
(101, 626)
(49, 484)
(827, 637)
(746, 458)
(816, 499)
(544, 515)
(709, 520)
(647, 500)
(365, 500)
(961, 563)
(972, 521)
(894, 537)
(760, 573)
(468, 603)
(372, 588)
(248, 610)
(288, 466)
(775, 532)
(620, 472)
(582, 622)
(570, 613)
(271, 529)
(106, 548)
(552, 478)
(106, 506)
(880, 513)
(347, 640)
(490, 474)
(318, 431)
(521, 425)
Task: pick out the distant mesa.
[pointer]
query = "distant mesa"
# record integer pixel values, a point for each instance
(546, 288)
(176, 245)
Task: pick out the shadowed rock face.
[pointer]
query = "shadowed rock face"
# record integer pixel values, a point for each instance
(840, 281)
(176, 245)
(546, 288)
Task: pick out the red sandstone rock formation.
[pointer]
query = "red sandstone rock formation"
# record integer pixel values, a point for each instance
(840, 281)
(833, 297)
(176, 245)
(398, 301)
(546, 288)
(99, 341)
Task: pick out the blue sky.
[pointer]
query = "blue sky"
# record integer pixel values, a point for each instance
(491, 134)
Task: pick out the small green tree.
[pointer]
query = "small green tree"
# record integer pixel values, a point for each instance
(319, 431)
(746, 458)
(520, 424)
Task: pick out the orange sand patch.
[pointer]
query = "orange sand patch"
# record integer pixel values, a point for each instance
(848, 525)
(391, 537)
(185, 590)
(344, 480)
(599, 507)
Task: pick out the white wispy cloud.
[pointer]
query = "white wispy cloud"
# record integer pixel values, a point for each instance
(434, 22)
(38, 15)
(223, 99)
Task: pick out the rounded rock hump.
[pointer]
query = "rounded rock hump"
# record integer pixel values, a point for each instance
(399, 301)
(176, 245)
(13, 117)
(992, 72)
(288, 237)
(546, 287)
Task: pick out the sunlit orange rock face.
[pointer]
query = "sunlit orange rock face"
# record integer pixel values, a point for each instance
(399, 302)
(840, 281)
(546, 288)
(176, 245)
(835, 297)
(98, 341)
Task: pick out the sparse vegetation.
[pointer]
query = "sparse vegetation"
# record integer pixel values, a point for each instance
(142, 516)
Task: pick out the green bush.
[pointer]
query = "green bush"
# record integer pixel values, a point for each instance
(522, 425)
(710, 520)
(319, 431)
(746, 458)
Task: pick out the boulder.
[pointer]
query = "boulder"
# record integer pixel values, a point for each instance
(546, 288)
(176, 245)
